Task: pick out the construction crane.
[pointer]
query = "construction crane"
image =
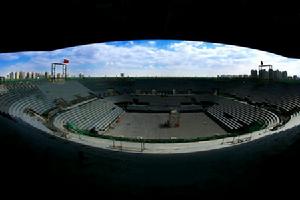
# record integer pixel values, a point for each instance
(261, 66)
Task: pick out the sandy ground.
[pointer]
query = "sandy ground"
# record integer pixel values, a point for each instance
(147, 125)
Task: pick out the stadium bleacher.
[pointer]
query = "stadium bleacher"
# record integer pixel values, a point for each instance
(98, 114)
(16, 92)
(37, 103)
(285, 97)
(265, 101)
(68, 91)
(235, 115)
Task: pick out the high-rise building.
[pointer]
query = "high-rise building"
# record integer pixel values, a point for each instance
(22, 75)
(284, 75)
(17, 75)
(37, 75)
(253, 73)
(263, 74)
(11, 75)
(277, 75)
(26, 75)
(271, 74)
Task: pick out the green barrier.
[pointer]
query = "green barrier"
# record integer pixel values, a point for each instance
(74, 129)
(255, 126)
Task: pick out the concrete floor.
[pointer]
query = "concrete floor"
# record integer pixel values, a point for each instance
(148, 125)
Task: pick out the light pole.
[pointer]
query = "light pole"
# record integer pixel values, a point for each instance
(113, 140)
(121, 142)
(142, 144)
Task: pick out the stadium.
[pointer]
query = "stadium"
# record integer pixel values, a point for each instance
(153, 115)
(147, 136)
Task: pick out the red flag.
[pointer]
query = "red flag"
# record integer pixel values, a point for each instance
(66, 61)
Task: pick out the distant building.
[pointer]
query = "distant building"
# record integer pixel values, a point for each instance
(295, 77)
(263, 74)
(32, 75)
(284, 75)
(253, 73)
(28, 75)
(271, 74)
(22, 75)
(17, 75)
(122, 75)
(232, 76)
(11, 75)
(277, 75)
(81, 75)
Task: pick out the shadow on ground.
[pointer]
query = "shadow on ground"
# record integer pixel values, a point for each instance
(34, 162)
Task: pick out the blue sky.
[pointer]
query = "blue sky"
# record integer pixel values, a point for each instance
(149, 58)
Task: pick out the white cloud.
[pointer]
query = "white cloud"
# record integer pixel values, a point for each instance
(8, 56)
(186, 58)
(151, 42)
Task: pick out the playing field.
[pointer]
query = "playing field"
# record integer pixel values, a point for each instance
(148, 125)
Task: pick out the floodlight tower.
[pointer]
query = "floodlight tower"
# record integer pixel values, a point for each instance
(64, 69)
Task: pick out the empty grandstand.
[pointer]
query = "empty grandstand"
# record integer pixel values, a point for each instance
(132, 108)
(15, 91)
(67, 91)
(96, 115)
(240, 117)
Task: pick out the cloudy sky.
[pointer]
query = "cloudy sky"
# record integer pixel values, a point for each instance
(149, 58)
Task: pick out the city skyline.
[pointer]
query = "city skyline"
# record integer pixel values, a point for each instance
(149, 58)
